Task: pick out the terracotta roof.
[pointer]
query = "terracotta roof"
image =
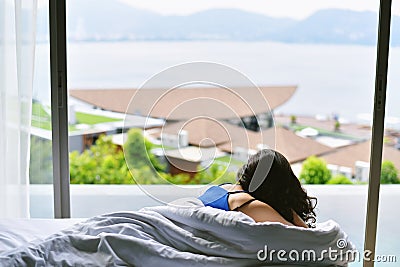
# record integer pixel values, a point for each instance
(241, 137)
(227, 136)
(296, 148)
(202, 132)
(292, 146)
(347, 156)
(187, 103)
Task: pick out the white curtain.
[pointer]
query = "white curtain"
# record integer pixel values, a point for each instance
(17, 50)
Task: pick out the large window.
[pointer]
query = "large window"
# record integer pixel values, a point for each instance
(328, 58)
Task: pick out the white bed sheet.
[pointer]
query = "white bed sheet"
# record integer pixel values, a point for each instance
(16, 232)
(167, 236)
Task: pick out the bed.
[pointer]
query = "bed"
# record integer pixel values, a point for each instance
(184, 233)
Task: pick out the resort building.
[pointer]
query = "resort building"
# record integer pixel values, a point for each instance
(229, 120)
(87, 124)
(240, 102)
(211, 126)
(356, 158)
(238, 131)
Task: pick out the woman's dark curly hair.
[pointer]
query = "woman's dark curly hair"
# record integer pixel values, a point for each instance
(279, 186)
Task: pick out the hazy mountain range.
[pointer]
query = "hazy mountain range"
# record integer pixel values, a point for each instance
(111, 20)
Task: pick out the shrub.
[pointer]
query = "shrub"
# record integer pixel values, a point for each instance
(337, 126)
(389, 173)
(315, 171)
(41, 164)
(339, 179)
(293, 119)
(103, 163)
(215, 173)
(137, 151)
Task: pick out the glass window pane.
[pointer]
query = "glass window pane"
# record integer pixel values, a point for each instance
(41, 165)
(388, 244)
(328, 58)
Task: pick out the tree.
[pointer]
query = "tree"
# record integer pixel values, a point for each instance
(389, 173)
(103, 163)
(146, 175)
(339, 179)
(137, 151)
(337, 126)
(215, 173)
(293, 119)
(315, 171)
(40, 166)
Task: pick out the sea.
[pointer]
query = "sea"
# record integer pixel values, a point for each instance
(331, 79)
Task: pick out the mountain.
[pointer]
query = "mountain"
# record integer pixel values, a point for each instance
(334, 26)
(111, 20)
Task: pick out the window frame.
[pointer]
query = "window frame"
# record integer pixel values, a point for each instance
(377, 128)
(59, 108)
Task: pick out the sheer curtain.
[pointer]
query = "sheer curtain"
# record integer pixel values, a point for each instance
(17, 49)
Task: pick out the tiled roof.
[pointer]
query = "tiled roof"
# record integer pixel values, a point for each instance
(347, 156)
(227, 136)
(187, 103)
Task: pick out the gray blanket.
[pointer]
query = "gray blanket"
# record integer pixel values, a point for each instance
(184, 236)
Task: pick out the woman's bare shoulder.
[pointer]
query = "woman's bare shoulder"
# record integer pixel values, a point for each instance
(262, 212)
(258, 210)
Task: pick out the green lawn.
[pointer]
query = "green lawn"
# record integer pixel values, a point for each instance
(164, 147)
(298, 127)
(90, 119)
(42, 119)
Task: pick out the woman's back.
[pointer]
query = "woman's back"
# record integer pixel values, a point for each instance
(233, 197)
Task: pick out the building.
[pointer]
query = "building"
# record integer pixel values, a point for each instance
(187, 103)
(188, 159)
(209, 115)
(84, 135)
(359, 154)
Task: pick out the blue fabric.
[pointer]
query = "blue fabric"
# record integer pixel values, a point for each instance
(216, 197)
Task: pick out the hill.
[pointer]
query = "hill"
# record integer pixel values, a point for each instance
(111, 20)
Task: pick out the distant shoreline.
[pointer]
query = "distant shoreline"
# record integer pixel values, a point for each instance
(99, 41)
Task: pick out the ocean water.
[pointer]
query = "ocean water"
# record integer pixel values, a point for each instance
(330, 78)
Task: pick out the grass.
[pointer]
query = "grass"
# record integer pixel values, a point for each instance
(90, 119)
(42, 119)
(164, 147)
(298, 127)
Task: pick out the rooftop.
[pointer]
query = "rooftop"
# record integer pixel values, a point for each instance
(194, 153)
(347, 156)
(190, 102)
(206, 132)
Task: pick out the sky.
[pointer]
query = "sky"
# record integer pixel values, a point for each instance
(297, 9)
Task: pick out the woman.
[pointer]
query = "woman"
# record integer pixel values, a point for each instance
(267, 190)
